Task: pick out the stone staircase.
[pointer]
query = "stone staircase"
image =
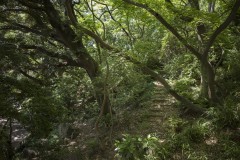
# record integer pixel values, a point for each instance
(161, 109)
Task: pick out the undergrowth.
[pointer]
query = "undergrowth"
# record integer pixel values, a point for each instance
(193, 139)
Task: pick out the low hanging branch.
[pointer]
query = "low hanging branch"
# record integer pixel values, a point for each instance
(96, 38)
(42, 50)
(190, 106)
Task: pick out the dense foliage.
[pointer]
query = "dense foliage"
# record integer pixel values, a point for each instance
(67, 64)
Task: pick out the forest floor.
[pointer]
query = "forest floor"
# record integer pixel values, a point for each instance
(85, 142)
(159, 117)
(153, 118)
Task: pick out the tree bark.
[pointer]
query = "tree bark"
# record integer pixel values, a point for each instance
(91, 66)
(204, 82)
(207, 72)
(191, 107)
(208, 89)
(84, 59)
(10, 150)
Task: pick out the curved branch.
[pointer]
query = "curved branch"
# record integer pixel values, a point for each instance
(167, 25)
(70, 12)
(190, 106)
(96, 38)
(31, 77)
(95, 16)
(31, 5)
(69, 60)
(223, 26)
(26, 29)
(112, 17)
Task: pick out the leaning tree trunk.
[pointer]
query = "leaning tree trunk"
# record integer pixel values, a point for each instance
(191, 107)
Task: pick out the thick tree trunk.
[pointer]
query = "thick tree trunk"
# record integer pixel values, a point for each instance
(208, 89)
(204, 82)
(75, 43)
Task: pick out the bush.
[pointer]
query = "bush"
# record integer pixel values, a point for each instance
(228, 116)
(228, 148)
(136, 147)
(197, 133)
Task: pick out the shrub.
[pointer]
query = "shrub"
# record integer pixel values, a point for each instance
(228, 116)
(136, 147)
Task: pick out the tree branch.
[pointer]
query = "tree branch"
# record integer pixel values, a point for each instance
(31, 5)
(31, 77)
(69, 60)
(20, 27)
(223, 26)
(96, 38)
(167, 25)
(190, 106)
(120, 25)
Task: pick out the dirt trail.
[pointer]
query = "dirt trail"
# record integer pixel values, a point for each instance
(155, 117)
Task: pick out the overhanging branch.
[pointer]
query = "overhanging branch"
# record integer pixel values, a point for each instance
(189, 105)
(166, 24)
(31, 5)
(223, 26)
(96, 38)
(31, 77)
(69, 60)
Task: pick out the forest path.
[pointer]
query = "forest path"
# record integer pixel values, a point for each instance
(155, 118)
(150, 118)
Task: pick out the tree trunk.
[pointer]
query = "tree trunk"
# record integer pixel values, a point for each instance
(9, 142)
(204, 82)
(191, 107)
(208, 90)
(84, 60)
(100, 93)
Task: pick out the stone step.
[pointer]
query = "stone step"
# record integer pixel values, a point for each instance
(154, 121)
(156, 106)
(160, 93)
(164, 100)
(156, 110)
(160, 105)
(160, 100)
(166, 105)
(152, 115)
(159, 88)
